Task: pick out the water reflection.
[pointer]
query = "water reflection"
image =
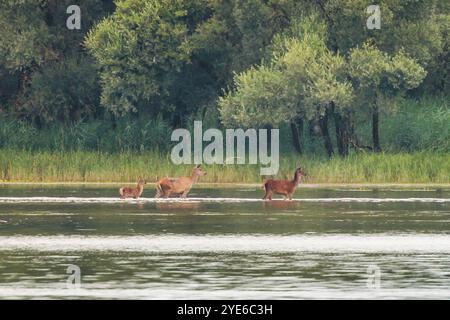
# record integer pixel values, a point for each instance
(214, 247)
(177, 205)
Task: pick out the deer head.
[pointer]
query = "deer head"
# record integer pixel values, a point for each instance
(300, 171)
(198, 171)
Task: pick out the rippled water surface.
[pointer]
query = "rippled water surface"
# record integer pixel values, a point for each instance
(224, 243)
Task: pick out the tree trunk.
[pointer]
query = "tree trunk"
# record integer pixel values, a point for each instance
(323, 122)
(375, 129)
(342, 134)
(113, 121)
(269, 136)
(297, 133)
(300, 131)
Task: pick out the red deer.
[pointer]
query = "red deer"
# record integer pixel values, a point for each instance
(178, 186)
(127, 192)
(284, 187)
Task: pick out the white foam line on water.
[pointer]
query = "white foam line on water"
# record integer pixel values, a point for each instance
(217, 200)
(55, 291)
(423, 243)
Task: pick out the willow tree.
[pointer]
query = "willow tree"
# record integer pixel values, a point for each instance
(379, 78)
(306, 81)
(319, 77)
(414, 31)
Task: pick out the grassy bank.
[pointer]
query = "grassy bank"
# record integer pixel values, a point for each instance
(24, 166)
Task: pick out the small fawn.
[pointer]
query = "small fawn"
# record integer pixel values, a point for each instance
(127, 192)
(284, 187)
(178, 186)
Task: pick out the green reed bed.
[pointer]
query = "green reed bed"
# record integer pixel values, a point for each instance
(85, 166)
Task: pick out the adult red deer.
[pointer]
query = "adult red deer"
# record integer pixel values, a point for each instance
(178, 186)
(127, 192)
(284, 187)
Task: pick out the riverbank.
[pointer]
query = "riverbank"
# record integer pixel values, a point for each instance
(382, 169)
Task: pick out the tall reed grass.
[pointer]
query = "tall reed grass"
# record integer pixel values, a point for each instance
(84, 166)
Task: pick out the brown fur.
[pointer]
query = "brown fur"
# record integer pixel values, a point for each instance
(178, 186)
(127, 192)
(283, 187)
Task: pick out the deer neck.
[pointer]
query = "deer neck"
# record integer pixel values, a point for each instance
(296, 180)
(194, 178)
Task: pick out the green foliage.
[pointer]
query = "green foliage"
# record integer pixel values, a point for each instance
(141, 49)
(55, 79)
(409, 24)
(300, 83)
(62, 92)
(29, 45)
(405, 73)
(174, 57)
(368, 66)
(417, 125)
(378, 77)
(261, 98)
(128, 134)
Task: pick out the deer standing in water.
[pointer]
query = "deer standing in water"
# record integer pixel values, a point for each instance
(127, 192)
(178, 186)
(284, 187)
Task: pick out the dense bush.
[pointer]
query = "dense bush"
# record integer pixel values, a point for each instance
(126, 135)
(417, 126)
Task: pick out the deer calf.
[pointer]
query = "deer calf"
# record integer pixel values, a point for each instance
(178, 186)
(127, 192)
(284, 187)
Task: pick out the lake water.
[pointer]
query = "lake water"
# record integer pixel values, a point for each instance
(224, 243)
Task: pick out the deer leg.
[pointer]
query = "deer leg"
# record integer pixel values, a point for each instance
(268, 194)
(184, 194)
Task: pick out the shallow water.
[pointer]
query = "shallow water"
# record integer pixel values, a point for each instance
(224, 243)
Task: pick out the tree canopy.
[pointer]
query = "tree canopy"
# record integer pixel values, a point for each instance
(308, 64)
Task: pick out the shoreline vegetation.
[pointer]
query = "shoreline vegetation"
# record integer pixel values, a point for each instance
(357, 170)
(100, 105)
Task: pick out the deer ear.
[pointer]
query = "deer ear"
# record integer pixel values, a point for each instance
(198, 166)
